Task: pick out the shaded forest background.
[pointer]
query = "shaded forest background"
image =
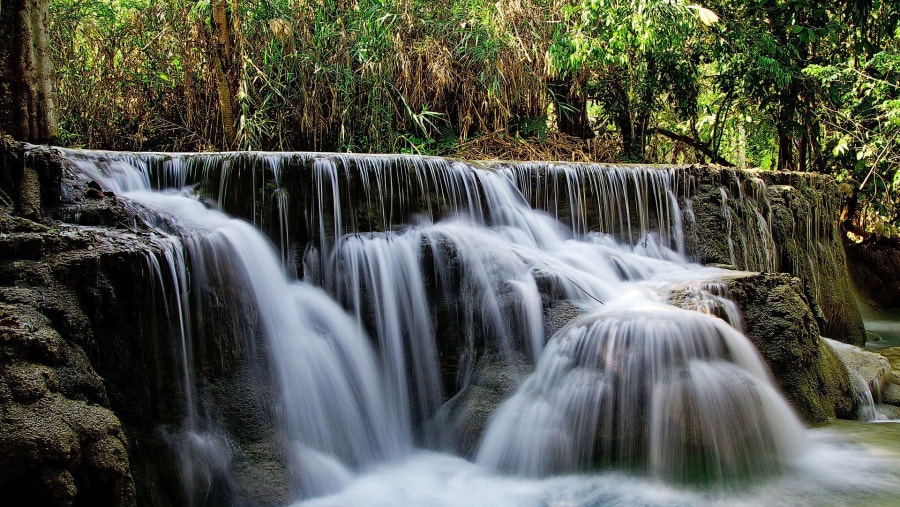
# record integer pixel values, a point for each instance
(787, 85)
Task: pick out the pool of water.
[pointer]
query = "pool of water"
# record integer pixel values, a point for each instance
(879, 439)
(883, 323)
(852, 463)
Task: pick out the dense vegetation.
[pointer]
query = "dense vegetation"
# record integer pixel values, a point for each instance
(787, 84)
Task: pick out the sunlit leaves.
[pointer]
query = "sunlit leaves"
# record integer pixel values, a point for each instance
(706, 16)
(862, 115)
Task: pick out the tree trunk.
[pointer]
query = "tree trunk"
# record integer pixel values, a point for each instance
(621, 108)
(226, 51)
(27, 110)
(571, 110)
(642, 114)
(786, 160)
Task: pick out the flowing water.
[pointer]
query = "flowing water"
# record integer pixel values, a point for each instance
(395, 278)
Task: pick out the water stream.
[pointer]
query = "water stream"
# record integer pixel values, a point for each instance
(392, 280)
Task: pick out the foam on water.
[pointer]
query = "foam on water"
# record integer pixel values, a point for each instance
(833, 473)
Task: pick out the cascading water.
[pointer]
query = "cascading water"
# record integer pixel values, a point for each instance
(443, 265)
(331, 393)
(646, 386)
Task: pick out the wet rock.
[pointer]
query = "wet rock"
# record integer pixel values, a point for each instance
(21, 246)
(70, 304)
(56, 448)
(463, 419)
(891, 412)
(244, 402)
(557, 315)
(261, 474)
(30, 183)
(776, 222)
(874, 368)
(892, 354)
(780, 323)
(28, 382)
(890, 394)
(872, 337)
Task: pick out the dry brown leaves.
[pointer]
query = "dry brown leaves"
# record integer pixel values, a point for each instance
(555, 147)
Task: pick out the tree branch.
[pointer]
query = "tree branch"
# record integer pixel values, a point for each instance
(695, 144)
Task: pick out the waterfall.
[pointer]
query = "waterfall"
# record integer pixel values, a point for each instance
(393, 277)
(330, 405)
(643, 385)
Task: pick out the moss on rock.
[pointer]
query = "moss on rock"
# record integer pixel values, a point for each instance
(780, 323)
(775, 222)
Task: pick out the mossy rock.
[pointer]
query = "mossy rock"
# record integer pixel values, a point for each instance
(464, 417)
(873, 368)
(776, 222)
(779, 322)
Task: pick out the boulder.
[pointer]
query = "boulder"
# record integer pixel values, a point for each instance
(779, 321)
(464, 417)
(890, 412)
(873, 368)
(890, 394)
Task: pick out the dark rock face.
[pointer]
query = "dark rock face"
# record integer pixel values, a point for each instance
(28, 185)
(465, 416)
(875, 269)
(781, 324)
(90, 366)
(61, 445)
(76, 344)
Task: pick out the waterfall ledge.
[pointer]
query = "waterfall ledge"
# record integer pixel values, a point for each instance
(93, 282)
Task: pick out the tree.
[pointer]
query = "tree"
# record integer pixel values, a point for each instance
(224, 41)
(861, 116)
(763, 49)
(641, 56)
(27, 109)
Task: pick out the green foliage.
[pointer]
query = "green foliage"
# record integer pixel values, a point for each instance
(764, 48)
(639, 57)
(794, 84)
(118, 66)
(363, 75)
(863, 124)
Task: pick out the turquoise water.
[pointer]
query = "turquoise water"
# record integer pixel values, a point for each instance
(879, 439)
(883, 323)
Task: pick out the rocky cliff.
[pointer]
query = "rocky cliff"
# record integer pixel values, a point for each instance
(776, 222)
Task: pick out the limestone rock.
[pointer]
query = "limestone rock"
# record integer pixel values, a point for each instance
(874, 368)
(58, 445)
(888, 411)
(779, 321)
(557, 314)
(465, 416)
(890, 394)
(892, 354)
(776, 222)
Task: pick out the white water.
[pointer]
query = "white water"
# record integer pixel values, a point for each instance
(635, 386)
(646, 386)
